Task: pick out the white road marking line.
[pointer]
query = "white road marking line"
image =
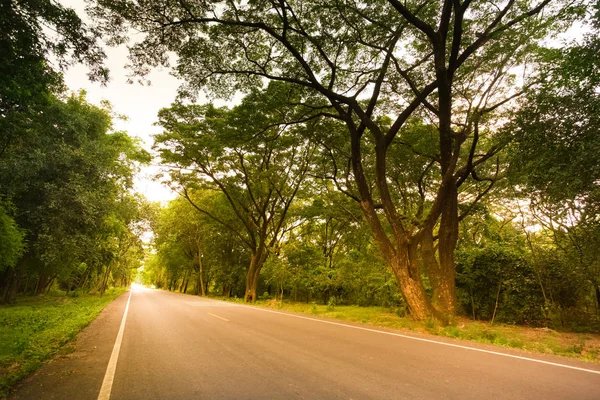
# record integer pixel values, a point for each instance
(425, 340)
(112, 363)
(216, 316)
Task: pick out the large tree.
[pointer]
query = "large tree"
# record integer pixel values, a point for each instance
(448, 62)
(255, 158)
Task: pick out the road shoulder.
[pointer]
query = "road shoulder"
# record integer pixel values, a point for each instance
(77, 374)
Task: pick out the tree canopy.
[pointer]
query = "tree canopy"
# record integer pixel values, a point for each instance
(438, 158)
(374, 67)
(258, 162)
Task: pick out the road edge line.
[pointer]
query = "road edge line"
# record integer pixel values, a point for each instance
(422, 339)
(109, 376)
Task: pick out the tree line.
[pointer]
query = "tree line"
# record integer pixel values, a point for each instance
(67, 215)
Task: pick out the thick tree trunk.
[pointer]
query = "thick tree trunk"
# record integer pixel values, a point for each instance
(449, 148)
(396, 247)
(405, 264)
(445, 291)
(430, 262)
(256, 263)
(408, 276)
(441, 273)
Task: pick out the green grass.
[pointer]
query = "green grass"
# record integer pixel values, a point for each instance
(547, 341)
(35, 328)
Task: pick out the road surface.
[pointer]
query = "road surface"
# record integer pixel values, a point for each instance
(183, 347)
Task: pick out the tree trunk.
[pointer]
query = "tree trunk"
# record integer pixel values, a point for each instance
(49, 285)
(27, 284)
(186, 285)
(12, 288)
(227, 290)
(42, 283)
(256, 263)
(13, 279)
(496, 305)
(445, 291)
(200, 271)
(180, 284)
(397, 251)
(597, 288)
(405, 264)
(406, 270)
(5, 279)
(105, 279)
(84, 277)
(449, 149)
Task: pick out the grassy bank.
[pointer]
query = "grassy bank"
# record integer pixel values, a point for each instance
(539, 340)
(35, 328)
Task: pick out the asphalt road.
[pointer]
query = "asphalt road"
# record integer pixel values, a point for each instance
(184, 347)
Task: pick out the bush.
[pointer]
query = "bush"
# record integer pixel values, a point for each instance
(331, 303)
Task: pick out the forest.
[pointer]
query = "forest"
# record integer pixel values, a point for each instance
(68, 219)
(437, 158)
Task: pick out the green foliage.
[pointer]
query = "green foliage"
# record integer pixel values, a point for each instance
(257, 162)
(556, 127)
(331, 303)
(11, 240)
(555, 164)
(62, 169)
(494, 277)
(408, 131)
(183, 238)
(34, 35)
(330, 255)
(68, 178)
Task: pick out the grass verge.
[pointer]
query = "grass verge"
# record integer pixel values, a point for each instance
(35, 328)
(539, 340)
